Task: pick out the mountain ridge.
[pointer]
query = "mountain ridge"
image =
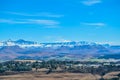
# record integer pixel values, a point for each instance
(59, 50)
(24, 43)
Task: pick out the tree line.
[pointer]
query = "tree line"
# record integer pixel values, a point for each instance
(53, 65)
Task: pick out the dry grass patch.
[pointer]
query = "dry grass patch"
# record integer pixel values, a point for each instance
(51, 76)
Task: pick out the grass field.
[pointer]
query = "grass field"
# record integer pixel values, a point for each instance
(51, 76)
(56, 76)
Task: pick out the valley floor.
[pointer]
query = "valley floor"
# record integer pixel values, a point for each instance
(51, 76)
(56, 76)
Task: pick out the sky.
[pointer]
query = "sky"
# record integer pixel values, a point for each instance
(60, 20)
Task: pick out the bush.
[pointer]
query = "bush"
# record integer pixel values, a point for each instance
(2, 70)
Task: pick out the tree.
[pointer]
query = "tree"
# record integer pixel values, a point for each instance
(2, 68)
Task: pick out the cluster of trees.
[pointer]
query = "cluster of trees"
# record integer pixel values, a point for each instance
(2, 69)
(53, 65)
(15, 66)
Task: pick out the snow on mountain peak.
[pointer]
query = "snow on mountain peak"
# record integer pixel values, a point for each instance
(26, 44)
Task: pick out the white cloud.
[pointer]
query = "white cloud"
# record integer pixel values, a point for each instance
(42, 14)
(47, 23)
(43, 22)
(12, 21)
(90, 2)
(5, 21)
(51, 15)
(99, 24)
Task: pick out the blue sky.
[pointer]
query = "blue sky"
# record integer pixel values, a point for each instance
(60, 20)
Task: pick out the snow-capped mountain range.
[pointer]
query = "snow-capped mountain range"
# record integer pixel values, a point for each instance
(26, 44)
(22, 49)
